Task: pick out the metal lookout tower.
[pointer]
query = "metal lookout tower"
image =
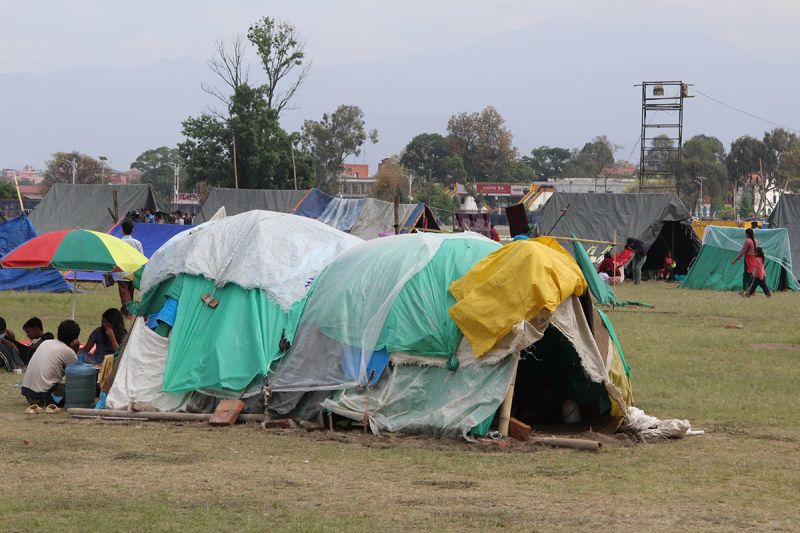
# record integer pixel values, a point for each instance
(662, 134)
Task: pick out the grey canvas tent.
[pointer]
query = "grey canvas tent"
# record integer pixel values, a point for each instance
(660, 220)
(787, 215)
(238, 201)
(68, 206)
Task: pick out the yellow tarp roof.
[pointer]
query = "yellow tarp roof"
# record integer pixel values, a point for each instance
(514, 283)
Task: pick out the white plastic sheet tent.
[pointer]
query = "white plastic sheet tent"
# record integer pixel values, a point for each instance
(279, 254)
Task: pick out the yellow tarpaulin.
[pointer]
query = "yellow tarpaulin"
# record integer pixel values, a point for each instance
(513, 283)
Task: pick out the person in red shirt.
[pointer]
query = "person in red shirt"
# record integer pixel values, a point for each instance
(609, 270)
(749, 252)
(759, 275)
(494, 234)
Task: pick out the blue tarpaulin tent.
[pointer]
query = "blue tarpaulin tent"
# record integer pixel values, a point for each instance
(13, 233)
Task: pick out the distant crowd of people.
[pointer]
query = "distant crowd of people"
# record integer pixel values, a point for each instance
(148, 217)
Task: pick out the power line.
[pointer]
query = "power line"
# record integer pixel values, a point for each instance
(751, 115)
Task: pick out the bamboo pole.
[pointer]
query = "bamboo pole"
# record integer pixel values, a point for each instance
(505, 408)
(19, 197)
(577, 444)
(584, 240)
(154, 416)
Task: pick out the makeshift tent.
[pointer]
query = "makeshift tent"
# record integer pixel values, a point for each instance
(602, 293)
(152, 237)
(787, 215)
(257, 267)
(439, 383)
(367, 218)
(13, 233)
(237, 201)
(660, 220)
(713, 269)
(67, 206)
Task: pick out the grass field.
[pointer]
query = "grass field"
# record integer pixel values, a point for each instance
(741, 385)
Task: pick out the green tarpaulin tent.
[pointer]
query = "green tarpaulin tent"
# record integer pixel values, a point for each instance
(713, 269)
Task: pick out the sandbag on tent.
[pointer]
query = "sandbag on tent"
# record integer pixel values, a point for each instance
(386, 295)
(258, 266)
(787, 215)
(713, 269)
(16, 232)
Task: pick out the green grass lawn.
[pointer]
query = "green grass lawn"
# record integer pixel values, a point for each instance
(740, 385)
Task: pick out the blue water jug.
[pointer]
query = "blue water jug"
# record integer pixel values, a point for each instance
(81, 385)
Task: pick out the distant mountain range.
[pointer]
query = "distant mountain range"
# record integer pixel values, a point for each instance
(554, 86)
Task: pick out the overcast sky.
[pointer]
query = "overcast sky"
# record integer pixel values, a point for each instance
(49, 37)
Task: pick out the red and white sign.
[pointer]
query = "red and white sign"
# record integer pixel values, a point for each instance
(497, 189)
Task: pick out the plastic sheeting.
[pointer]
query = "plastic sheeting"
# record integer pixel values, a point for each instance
(713, 269)
(787, 215)
(276, 252)
(236, 201)
(67, 206)
(227, 347)
(379, 295)
(13, 233)
(138, 382)
(428, 399)
(514, 283)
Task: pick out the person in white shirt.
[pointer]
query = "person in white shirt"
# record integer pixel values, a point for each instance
(41, 384)
(124, 279)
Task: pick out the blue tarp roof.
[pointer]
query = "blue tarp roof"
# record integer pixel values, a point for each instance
(152, 237)
(13, 233)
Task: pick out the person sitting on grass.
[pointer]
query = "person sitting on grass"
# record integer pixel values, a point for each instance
(759, 275)
(107, 338)
(9, 352)
(668, 270)
(609, 271)
(42, 382)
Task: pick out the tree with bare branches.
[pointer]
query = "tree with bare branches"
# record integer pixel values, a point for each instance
(283, 57)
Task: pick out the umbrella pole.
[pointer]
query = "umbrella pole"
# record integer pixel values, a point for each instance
(74, 291)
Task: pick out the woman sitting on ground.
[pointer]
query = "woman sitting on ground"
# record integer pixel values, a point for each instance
(107, 338)
(610, 271)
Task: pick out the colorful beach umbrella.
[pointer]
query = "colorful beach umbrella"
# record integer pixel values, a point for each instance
(75, 249)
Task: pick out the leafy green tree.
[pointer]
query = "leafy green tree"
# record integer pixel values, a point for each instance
(589, 161)
(548, 162)
(157, 168)
(88, 170)
(7, 190)
(746, 156)
(331, 140)
(703, 156)
(441, 200)
(282, 54)
(484, 144)
(426, 156)
(389, 182)
(262, 147)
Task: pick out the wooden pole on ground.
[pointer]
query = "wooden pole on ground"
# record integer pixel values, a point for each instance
(505, 408)
(578, 444)
(154, 416)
